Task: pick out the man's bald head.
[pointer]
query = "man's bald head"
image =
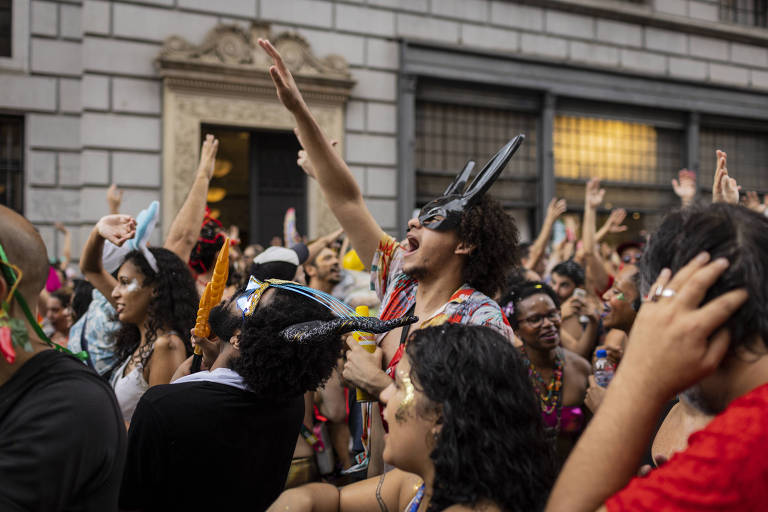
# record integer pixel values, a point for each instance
(25, 249)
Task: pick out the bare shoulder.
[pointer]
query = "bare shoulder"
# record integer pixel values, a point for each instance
(169, 342)
(578, 363)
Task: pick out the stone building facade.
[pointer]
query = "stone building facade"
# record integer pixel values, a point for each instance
(94, 98)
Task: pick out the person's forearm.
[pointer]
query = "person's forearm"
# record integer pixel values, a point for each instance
(609, 451)
(67, 250)
(314, 497)
(332, 174)
(595, 273)
(540, 244)
(588, 229)
(90, 259)
(185, 228)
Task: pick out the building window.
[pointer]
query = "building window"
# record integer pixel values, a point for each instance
(5, 27)
(747, 156)
(745, 12)
(449, 135)
(616, 151)
(12, 162)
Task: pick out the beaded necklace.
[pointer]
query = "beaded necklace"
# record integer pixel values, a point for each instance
(549, 394)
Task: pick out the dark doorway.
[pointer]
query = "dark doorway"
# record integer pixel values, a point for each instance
(256, 180)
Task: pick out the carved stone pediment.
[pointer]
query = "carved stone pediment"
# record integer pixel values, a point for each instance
(225, 81)
(230, 60)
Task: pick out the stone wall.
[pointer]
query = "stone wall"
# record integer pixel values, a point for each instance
(93, 97)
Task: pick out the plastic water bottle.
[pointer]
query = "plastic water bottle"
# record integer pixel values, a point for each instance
(603, 368)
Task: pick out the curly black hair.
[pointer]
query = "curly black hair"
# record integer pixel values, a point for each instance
(494, 234)
(492, 445)
(208, 244)
(273, 367)
(725, 231)
(521, 291)
(172, 308)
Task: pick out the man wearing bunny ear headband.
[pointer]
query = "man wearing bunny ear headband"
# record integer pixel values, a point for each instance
(274, 341)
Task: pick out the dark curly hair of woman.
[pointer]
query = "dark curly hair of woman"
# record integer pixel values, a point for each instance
(275, 368)
(494, 234)
(172, 308)
(492, 445)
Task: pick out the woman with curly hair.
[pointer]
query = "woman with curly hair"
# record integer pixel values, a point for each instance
(156, 302)
(557, 376)
(464, 433)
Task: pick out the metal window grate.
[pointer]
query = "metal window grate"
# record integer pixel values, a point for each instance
(747, 156)
(6, 15)
(449, 135)
(12, 162)
(613, 150)
(744, 12)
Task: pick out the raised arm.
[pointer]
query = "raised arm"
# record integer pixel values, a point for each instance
(614, 224)
(114, 199)
(673, 344)
(555, 209)
(115, 228)
(685, 186)
(724, 189)
(67, 245)
(185, 228)
(321, 243)
(593, 265)
(339, 187)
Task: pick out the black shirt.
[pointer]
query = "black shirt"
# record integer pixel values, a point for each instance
(208, 446)
(62, 438)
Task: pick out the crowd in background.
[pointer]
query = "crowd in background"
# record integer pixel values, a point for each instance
(583, 369)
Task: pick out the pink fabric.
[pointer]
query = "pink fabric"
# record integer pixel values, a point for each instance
(53, 283)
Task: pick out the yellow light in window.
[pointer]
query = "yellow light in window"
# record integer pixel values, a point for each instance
(587, 147)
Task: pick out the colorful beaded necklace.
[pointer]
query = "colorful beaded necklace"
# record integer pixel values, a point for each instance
(549, 394)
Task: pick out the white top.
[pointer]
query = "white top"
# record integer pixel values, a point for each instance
(129, 388)
(219, 375)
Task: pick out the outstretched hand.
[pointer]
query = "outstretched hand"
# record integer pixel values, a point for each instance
(593, 193)
(675, 340)
(114, 199)
(287, 91)
(556, 208)
(685, 186)
(615, 221)
(208, 155)
(752, 201)
(724, 189)
(303, 160)
(117, 228)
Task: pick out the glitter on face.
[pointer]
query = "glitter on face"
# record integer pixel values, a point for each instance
(407, 401)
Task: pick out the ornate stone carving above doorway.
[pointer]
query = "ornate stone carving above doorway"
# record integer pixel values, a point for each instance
(225, 81)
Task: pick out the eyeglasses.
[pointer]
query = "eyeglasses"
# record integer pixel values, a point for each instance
(537, 320)
(631, 258)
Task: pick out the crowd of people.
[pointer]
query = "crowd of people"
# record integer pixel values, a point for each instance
(458, 369)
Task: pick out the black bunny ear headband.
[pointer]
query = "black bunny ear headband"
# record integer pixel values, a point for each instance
(306, 332)
(445, 212)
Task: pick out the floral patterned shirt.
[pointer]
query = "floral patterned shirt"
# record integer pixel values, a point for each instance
(397, 292)
(99, 324)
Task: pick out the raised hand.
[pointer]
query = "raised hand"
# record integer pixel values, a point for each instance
(303, 160)
(208, 155)
(556, 208)
(60, 227)
(593, 193)
(685, 186)
(117, 228)
(114, 199)
(614, 223)
(724, 189)
(752, 201)
(675, 340)
(287, 91)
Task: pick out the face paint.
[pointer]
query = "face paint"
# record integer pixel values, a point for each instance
(132, 286)
(407, 401)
